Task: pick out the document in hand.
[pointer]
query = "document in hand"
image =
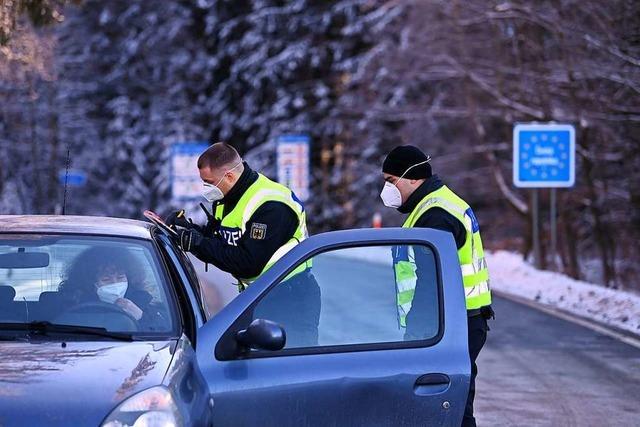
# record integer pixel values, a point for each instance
(157, 220)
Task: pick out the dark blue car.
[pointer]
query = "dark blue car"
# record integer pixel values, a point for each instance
(102, 322)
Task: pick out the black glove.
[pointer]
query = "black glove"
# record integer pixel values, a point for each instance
(179, 219)
(189, 239)
(487, 312)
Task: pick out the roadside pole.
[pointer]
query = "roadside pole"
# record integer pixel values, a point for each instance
(554, 228)
(376, 221)
(535, 228)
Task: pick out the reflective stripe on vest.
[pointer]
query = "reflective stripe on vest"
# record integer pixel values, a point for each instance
(234, 224)
(405, 275)
(475, 274)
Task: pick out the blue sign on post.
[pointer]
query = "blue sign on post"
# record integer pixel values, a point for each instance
(72, 178)
(293, 163)
(186, 184)
(544, 155)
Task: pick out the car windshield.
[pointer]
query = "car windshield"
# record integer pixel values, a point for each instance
(86, 281)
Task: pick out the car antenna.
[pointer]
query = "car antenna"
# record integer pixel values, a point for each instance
(26, 308)
(66, 180)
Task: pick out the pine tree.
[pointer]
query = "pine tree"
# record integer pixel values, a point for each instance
(127, 101)
(139, 76)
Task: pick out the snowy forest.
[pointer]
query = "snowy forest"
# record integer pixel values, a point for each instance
(114, 83)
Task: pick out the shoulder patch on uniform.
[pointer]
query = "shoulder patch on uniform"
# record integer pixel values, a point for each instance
(258, 231)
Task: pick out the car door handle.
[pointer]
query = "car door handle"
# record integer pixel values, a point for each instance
(431, 384)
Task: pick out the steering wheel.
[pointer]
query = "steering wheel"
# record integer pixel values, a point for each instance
(102, 307)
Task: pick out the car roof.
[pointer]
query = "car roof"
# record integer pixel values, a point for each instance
(69, 224)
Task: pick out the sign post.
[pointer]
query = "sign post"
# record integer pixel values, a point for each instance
(293, 164)
(186, 184)
(554, 227)
(544, 157)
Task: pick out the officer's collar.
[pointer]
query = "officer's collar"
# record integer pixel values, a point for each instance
(248, 177)
(428, 186)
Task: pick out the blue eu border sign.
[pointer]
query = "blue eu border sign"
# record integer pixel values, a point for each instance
(186, 184)
(544, 155)
(293, 157)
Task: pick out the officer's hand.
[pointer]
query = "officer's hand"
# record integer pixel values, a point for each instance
(176, 218)
(189, 239)
(179, 219)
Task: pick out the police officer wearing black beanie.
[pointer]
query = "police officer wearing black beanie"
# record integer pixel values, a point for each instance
(411, 188)
(403, 160)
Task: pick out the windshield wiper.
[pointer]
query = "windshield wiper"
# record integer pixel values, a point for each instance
(44, 328)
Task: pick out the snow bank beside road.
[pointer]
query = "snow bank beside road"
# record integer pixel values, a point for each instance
(511, 275)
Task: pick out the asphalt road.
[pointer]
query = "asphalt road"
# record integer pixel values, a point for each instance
(539, 370)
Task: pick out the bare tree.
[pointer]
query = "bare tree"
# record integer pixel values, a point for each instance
(460, 74)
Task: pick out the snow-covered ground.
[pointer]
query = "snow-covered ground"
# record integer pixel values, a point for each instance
(510, 274)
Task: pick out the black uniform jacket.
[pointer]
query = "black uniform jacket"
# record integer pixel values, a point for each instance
(247, 256)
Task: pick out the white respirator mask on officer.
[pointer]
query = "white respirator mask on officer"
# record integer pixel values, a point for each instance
(111, 292)
(212, 192)
(390, 195)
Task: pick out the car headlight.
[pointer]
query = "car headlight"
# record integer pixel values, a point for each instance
(153, 407)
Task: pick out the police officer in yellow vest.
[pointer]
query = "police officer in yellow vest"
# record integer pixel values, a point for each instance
(412, 189)
(255, 222)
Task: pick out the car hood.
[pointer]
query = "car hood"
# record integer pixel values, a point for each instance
(80, 383)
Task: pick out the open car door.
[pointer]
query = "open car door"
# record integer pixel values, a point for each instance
(356, 327)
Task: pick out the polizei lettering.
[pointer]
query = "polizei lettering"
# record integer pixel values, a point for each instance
(231, 235)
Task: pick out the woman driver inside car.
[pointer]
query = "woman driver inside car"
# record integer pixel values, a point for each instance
(111, 276)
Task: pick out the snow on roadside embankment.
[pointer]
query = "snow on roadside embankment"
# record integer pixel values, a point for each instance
(510, 274)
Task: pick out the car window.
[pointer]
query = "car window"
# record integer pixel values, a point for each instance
(114, 283)
(352, 296)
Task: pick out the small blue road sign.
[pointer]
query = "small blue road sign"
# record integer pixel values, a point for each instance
(544, 155)
(74, 178)
(186, 184)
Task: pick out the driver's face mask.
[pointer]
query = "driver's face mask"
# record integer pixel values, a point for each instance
(113, 291)
(390, 195)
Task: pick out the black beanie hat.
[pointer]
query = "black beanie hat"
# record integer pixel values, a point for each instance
(401, 158)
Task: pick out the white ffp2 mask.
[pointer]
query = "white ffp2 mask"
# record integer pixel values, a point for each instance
(111, 292)
(212, 192)
(391, 196)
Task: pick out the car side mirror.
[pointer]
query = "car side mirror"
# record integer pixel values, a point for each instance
(262, 335)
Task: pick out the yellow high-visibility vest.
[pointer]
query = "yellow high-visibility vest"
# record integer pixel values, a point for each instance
(475, 274)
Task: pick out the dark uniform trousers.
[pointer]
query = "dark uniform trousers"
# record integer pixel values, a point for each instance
(477, 328)
(294, 304)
